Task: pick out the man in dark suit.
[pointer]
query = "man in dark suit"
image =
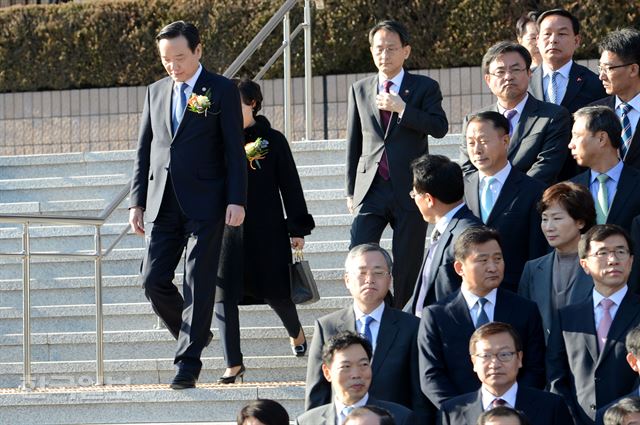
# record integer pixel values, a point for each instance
(496, 354)
(586, 355)
(447, 326)
(346, 365)
(560, 80)
(438, 190)
(389, 118)
(189, 168)
(615, 186)
(502, 196)
(620, 74)
(392, 332)
(538, 131)
(632, 344)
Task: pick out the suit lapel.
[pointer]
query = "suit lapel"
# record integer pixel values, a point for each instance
(459, 312)
(583, 179)
(329, 415)
(535, 84)
(474, 409)
(471, 193)
(509, 191)
(503, 309)
(587, 323)
(347, 320)
(443, 242)
(386, 337)
(372, 92)
(627, 312)
(543, 280)
(573, 85)
(200, 88)
(624, 191)
(525, 124)
(167, 107)
(405, 93)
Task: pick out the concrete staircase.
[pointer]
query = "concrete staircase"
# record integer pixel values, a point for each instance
(138, 354)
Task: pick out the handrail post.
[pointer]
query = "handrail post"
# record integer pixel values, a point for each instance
(99, 318)
(26, 307)
(286, 29)
(308, 74)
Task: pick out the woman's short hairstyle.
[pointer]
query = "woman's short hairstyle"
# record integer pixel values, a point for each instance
(269, 412)
(250, 92)
(574, 198)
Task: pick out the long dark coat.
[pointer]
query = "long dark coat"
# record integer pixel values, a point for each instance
(254, 262)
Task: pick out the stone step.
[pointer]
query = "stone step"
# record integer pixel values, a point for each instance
(96, 186)
(319, 152)
(138, 344)
(140, 403)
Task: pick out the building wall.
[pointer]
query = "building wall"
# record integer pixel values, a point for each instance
(107, 119)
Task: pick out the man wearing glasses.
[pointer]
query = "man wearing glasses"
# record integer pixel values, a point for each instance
(586, 359)
(620, 75)
(391, 332)
(496, 354)
(538, 131)
(447, 326)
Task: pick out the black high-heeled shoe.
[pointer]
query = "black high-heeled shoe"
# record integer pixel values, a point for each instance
(232, 379)
(299, 350)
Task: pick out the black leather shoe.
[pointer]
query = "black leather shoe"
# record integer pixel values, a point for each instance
(184, 380)
(232, 379)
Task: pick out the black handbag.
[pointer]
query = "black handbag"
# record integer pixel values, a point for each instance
(303, 286)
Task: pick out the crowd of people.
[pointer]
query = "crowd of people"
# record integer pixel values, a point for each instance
(523, 306)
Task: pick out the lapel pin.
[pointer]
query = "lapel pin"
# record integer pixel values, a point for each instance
(578, 79)
(406, 91)
(204, 89)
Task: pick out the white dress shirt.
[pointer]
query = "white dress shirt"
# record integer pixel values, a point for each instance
(519, 108)
(500, 178)
(612, 182)
(340, 418)
(509, 397)
(473, 306)
(191, 83)
(616, 297)
(633, 114)
(562, 80)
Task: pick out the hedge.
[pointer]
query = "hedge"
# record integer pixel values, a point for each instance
(111, 43)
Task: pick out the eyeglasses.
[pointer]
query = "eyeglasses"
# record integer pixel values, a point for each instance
(377, 274)
(501, 73)
(413, 194)
(389, 50)
(604, 254)
(608, 68)
(503, 356)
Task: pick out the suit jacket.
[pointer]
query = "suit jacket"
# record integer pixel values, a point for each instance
(404, 140)
(443, 279)
(626, 202)
(443, 342)
(539, 143)
(536, 285)
(516, 217)
(395, 375)
(601, 411)
(583, 87)
(326, 414)
(633, 156)
(540, 407)
(205, 158)
(576, 370)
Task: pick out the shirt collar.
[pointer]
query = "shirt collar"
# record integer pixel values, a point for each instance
(613, 173)
(191, 82)
(635, 102)
(397, 81)
(444, 221)
(519, 107)
(501, 175)
(376, 313)
(616, 297)
(471, 298)
(340, 406)
(564, 70)
(509, 396)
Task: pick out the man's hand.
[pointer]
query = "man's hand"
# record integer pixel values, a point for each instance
(297, 243)
(350, 204)
(136, 220)
(235, 215)
(391, 102)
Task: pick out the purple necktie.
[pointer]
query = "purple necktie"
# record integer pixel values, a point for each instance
(605, 322)
(509, 114)
(385, 117)
(497, 402)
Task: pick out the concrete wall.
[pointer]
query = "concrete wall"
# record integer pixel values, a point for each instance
(107, 119)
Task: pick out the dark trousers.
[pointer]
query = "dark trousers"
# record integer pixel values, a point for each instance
(378, 209)
(228, 323)
(189, 318)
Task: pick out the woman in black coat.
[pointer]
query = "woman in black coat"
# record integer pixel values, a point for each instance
(254, 262)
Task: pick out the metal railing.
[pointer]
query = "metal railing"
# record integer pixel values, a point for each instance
(26, 254)
(282, 15)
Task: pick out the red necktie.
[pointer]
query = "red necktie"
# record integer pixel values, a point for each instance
(385, 117)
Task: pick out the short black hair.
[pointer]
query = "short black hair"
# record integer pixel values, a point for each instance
(250, 92)
(438, 176)
(625, 43)
(384, 416)
(502, 412)
(342, 341)
(632, 341)
(561, 12)
(393, 26)
(601, 118)
(523, 21)
(474, 236)
(502, 47)
(499, 121)
(181, 28)
(266, 411)
(599, 233)
(616, 414)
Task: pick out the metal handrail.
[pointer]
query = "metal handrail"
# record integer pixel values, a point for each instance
(282, 15)
(97, 256)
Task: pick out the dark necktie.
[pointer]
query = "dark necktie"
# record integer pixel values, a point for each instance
(367, 330)
(385, 117)
(626, 128)
(509, 114)
(497, 402)
(482, 319)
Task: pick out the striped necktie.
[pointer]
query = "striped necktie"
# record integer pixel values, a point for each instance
(626, 128)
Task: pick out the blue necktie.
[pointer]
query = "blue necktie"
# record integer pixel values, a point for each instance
(482, 319)
(178, 111)
(367, 330)
(553, 92)
(486, 200)
(626, 128)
